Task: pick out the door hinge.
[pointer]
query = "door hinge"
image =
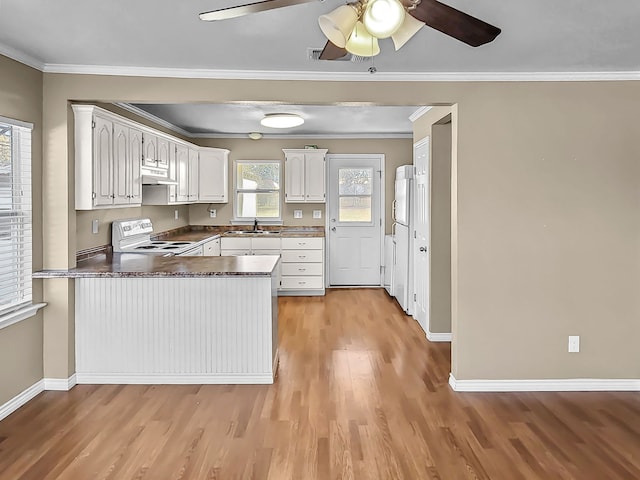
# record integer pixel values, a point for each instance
(414, 297)
(380, 222)
(415, 233)
(93, 124)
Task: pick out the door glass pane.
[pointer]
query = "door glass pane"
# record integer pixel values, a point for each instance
(259, 205)
(355, 209)
(258, 175)
(355, 181)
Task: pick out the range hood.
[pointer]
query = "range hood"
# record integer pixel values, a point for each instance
(156, 176)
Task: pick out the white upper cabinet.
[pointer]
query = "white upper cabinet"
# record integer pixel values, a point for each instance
(213, 178)
(163, 152)
(108, 152)
(194, 171)
(150, 150)
(182, 173)
(304, 171)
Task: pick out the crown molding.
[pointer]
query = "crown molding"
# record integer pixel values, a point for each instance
(418, 113)
(195, 73)
(20, 56)
(152, 118)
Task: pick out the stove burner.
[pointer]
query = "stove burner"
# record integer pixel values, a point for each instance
(158, 243)
(146, 247)
(180, 243)
(170, 247)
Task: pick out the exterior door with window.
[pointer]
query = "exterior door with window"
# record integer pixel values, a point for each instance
(355, 220)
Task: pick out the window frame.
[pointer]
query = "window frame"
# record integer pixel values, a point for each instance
(237, 218)
(21, 208)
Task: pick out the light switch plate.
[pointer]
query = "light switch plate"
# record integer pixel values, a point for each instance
(212, 213)
(574, 343)
(297, 214)
(317, 214)
(176, 214)
(95, 224)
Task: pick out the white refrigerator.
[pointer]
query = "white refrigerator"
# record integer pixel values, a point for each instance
(403, 227)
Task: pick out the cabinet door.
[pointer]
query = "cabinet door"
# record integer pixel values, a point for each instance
(194, 171)
(150, 149)
(212, 248)
(102, 162)
(182, 173)
(121, 164)
(163, 152)
(213, 180)
(314, 177)
(294, 178)
(134, 181)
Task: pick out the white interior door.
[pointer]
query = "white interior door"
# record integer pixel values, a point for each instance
(354, 220)
(421, 221)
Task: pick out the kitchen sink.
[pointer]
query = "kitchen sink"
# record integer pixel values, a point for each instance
(253, 232)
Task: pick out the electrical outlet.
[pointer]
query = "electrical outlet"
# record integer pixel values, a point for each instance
(574, 343)
(317, 214)
(212, 213)
(297, 214)
(176, 214)
(95, 224)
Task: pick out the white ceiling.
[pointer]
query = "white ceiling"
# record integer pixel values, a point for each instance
(560, 38)
(537, 36)
(322, 121)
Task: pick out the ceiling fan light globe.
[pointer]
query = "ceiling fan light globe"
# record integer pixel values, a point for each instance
(338, 24)
(410, 26)
(383, 18)
(361, 42)
(281, 120)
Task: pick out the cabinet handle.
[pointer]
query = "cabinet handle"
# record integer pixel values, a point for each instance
(302, 269)
(302, 243)
(302, 283)
(302, 256)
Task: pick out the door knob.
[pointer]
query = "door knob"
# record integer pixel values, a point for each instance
(333, 229)
(423, 249)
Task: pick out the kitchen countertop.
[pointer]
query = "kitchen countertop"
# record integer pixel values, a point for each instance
(149, 265)
(203, 233)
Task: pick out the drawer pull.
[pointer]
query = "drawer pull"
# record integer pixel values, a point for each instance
(302, 269)
(302, 256)
(302, 283)
(302, 243)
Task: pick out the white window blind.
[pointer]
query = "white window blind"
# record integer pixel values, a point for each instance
(15, 215)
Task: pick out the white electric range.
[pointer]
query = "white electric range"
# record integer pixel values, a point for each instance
(134, 236)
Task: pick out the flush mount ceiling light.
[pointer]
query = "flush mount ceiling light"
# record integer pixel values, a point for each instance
(255, 135)
(281, 120)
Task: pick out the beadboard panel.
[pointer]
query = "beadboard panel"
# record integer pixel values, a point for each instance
(204, 328)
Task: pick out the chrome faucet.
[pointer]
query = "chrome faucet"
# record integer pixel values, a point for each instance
(255, 224)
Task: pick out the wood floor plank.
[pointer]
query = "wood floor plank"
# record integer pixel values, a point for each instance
(360, 395)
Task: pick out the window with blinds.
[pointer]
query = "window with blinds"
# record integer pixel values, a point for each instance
(15, 215)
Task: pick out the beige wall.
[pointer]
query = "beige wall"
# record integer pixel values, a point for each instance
(440, 284)
(545, 231)
(21, 344)
(396, 151)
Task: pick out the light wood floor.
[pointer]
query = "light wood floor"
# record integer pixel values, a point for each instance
(361, 394)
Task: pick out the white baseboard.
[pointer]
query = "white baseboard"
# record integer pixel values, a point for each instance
(439, 337)
(19, 400)
(146, 379)
(60, 384)
(550, 385)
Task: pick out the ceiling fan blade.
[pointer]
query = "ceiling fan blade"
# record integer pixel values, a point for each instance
(241, 10)
(332, 52)
(455, 23)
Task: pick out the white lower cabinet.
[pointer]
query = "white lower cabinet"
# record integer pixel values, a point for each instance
(212, 248)
(302, 267)
(302, 260)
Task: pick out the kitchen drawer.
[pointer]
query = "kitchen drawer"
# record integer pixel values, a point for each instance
(302, 269)
(234, 253)
(301, 256)
(302, 243)
(302, 283)
(266, 252)
(265, 243)
(235, 243)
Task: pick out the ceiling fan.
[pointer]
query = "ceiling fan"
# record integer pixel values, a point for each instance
(356, 27)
